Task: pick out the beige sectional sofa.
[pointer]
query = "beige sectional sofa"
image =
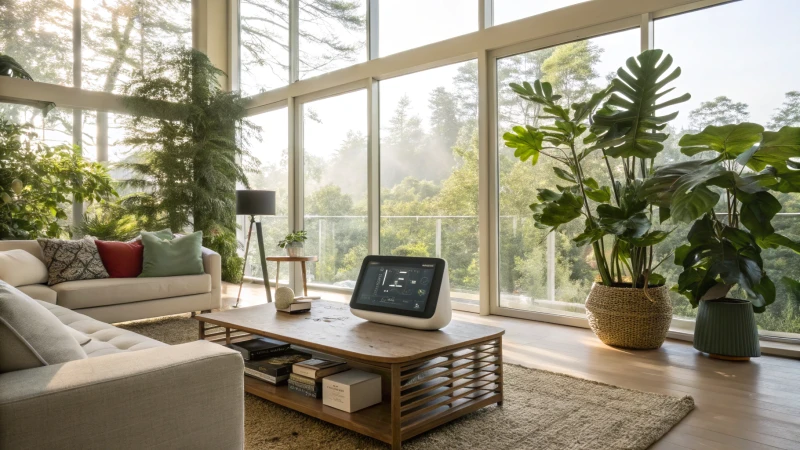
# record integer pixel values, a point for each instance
(127, 392)
(121, 299)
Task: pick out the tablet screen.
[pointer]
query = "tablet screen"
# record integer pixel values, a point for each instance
(402, 286)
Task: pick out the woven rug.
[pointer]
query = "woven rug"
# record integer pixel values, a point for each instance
(542, 410)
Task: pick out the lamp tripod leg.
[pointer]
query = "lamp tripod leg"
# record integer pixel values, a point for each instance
(244, 265)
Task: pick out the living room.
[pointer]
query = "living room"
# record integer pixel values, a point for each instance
(461, 224)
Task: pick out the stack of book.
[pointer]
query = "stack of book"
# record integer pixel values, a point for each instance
(269, 360)
(306, 377)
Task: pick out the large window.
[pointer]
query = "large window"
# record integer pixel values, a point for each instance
(429, 170)
(264, 47)
(335, 185)
(333, 34)
(268, 144)
(540, 272)
(735, 77)
(406, 24)
(510, 10)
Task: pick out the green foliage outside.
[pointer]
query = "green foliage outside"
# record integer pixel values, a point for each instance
(38, 184)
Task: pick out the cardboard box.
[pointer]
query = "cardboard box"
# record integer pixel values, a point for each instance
(352, 390)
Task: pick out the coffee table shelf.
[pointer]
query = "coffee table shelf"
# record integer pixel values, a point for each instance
(428, 377)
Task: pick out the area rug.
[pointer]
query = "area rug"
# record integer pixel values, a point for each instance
(542, 410)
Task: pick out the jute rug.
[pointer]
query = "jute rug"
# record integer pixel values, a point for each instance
(542, 410)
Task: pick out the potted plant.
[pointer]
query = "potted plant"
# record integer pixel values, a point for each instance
(727, 191)
(293, 243)
(628, 305)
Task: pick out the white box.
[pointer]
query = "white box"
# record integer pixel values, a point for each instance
(352, 390)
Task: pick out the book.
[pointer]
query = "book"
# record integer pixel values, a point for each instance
(313, 391)
(260, 347)
(318, 368)
(352, 390)
(277, 368)
(297, 307)
(301, 379)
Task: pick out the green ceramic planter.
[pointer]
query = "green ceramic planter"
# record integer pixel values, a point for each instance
(726, 329)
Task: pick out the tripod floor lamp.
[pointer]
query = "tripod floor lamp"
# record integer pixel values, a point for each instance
(255, 203)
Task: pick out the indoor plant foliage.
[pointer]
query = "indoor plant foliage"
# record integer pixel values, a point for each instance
(728, 190)
(618, 222)
(293, 242)
(38, 184)
(186, 165)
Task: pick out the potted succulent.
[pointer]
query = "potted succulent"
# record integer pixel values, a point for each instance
(293, 243)
(628, 305)
(727, 191)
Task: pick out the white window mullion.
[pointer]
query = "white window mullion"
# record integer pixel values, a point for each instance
(485, 14)
(294, 40)
(373, 32)
(646, 29)
(373, 166)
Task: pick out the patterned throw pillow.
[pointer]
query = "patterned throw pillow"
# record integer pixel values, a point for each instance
(72, 260)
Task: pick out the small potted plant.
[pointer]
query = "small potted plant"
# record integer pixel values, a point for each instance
(293, 243)
(727, 191)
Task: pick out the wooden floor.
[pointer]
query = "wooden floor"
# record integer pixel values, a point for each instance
(754, 405)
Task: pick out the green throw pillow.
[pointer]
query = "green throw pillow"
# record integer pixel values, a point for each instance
(171, 258)
(166, 233)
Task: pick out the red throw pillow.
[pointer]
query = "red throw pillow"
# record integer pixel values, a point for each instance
(121, 259)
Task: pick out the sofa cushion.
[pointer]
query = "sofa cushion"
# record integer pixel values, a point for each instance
(115, 291)
(99, 338)
(29, 246)
(72, 260)
(121, 259)
(30, 335)
(168, 258)
(39, 292)
(18, 268)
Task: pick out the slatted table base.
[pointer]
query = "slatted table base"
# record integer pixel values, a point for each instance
(422, 395)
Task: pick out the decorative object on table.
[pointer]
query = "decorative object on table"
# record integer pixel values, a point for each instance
(293, 243)
(724, 248)
(352, 390)
(275, 369)
(72, 260)
(255, 203)
(181, 255)
(618, 224)
(625, 317)
(419, 289)
(284, 297)
(317, 368)
(260, 348)
(296, 307)
(302, 260)
(306, 386)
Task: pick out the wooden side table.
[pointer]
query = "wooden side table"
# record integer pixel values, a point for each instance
(301, 259)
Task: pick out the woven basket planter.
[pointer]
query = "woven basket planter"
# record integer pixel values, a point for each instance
(625, 317)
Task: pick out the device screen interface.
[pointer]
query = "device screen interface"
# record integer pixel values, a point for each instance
(399, 286)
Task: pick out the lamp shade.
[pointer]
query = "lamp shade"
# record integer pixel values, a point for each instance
(255, 203)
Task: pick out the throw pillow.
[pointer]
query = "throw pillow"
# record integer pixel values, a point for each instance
(30, 335)
(166, 233)
(121, 259)
(170, 258)
(72, 260)
(20, 268)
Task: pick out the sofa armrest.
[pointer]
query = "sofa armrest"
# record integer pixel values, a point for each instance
(182, 396)
(212, 264)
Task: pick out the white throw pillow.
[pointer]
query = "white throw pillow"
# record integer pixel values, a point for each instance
(20, 268)
(30, 335)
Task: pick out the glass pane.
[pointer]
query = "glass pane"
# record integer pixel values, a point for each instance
(538, 272)
(269, 146)
(335, 162)
(406, 24)
(511, 10)
(122, 36)
(38, 35)
(264, 52)
(721, 95)
(53, 129)
(333, 34)
(429, 170)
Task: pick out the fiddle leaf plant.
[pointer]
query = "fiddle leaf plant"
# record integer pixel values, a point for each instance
(628, 128)
(726, 191)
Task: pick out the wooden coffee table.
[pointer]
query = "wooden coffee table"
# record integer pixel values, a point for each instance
(429, 377)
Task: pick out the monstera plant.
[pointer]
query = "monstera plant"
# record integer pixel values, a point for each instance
(728, 191)
(623, 125)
